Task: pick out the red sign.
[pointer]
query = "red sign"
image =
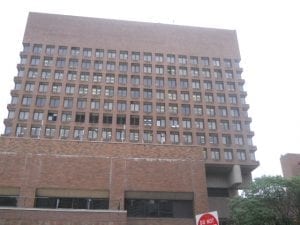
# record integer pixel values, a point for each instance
(208, 219)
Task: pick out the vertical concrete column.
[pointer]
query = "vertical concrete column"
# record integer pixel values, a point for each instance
(235, 176)
(116, 183)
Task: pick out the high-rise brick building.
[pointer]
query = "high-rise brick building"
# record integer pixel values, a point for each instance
(290, 165)
(117, 122)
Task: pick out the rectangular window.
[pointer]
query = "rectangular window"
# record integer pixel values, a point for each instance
(110, 66)
(159, 57)
(184, 83)
(135, 80)
(171, 70)
(60, 62)
(108, 105)
(120, 135)
(121, 106)
(159, 69)
(147, 57)
(106, 134)
(218, 74)
(147, 107)
(207, 85)
(109, 91)
(194, 72)
(170, 58)
(64, 132)
(135, 56)
(23, 115)
(173, 108)
(122, 79)
(198, 110)
(95, 104)
(226, 139)
(161, 122)
(93, 134)
(194, 60)
(80, 117)
(147, 68)
(83, 89)
(160, 107)
(147, 94)
(54, 102)
(72, 75)
(99, 53)
(123, 67)
(224, 124)
(135, 68)
(98, 65)
(160, 94)
(205, 61)
(241, 155)
(87, 52)
(81, 103)
(134, 107)
(135, 92)
(186, 123)
(37, 49)
(26, 101)
(200, 138)
(68, 103)
(122, 91)
(213, 139)
(216, 62)
(121, 119)
(123, 55)
(212, 124)
(159, 208)
(49, 132)
(172, 83)
(48, 61)
(134, 135)
(66, 116)
(147, 81)
(199, 124)
(185, 109)
(110, 78)
(228, 154)
(134, 120)
(148, 121)
(174, 137)
(75, 51)
(209, 98)
(215, 154)
(161, 137)
(147, 136)
(96, 90)
(35, 60)
(183, 71)
(62, 50)
(56, 88)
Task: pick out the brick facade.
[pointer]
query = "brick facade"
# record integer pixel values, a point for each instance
(109, 109)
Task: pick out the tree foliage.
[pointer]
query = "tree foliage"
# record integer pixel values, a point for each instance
(268, 201)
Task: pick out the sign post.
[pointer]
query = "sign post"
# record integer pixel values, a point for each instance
(210, 218)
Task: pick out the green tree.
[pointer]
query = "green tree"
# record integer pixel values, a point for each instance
(268, 201)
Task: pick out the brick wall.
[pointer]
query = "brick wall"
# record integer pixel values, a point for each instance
(115, 167)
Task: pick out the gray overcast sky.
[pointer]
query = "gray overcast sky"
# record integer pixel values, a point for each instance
(269, 39)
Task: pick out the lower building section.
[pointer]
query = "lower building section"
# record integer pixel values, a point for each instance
(74, 182)
(32, 216)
